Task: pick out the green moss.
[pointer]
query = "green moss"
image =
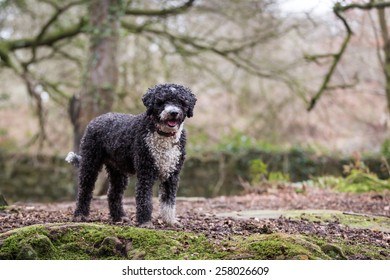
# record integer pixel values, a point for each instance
(334, 251)
(98, 241)
(15, 241)
(359, 182)
(344, 249)
(282, 246)
(364, 251)
(26, 252)
(352, 220)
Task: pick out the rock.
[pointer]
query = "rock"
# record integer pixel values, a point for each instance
(41, 245)
(301, 257)
(333, 251)
(111, 246)
(27, 253)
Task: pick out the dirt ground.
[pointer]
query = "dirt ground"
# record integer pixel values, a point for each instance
(211, 216)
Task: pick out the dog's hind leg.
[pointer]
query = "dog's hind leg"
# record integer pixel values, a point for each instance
(88, 172)
(118, 184)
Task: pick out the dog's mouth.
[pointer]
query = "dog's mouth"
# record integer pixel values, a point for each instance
(171, 123)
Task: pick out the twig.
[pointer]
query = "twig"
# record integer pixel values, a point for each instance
(365, 215)
(336, 58)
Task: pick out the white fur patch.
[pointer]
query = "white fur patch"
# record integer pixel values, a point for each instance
(69, 158)
(165, 151)
(167, 110)
(73, 158)
(168, 213)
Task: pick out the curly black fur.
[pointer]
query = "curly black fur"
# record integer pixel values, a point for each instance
(150, 145)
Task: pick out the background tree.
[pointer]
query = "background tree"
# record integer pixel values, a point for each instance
(99, 86)
(243, 58)
(185, 30)
(339, 10)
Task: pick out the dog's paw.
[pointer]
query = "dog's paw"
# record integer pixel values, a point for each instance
(175, 224)
(146, 225)
(80, 219)
(121, 220)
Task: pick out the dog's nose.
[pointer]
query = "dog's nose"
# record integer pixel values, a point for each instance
(173, 113)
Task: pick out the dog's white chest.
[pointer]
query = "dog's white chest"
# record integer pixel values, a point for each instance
(165, 151)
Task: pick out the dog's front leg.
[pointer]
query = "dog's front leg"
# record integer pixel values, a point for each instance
(168, 189)
(144, 192)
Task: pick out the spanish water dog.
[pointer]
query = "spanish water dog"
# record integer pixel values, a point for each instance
(150, 145)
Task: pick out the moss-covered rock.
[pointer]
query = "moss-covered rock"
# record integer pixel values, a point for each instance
(98, 241)
(283, 247)
(26, 252)
(333, 251)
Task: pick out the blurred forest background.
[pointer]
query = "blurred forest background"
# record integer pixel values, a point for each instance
(294, 81)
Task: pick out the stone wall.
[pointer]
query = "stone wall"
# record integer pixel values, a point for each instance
(28, 178)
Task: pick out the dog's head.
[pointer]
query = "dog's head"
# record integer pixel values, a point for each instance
(169, 105)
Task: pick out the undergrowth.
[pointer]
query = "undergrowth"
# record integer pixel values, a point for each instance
(358, 178)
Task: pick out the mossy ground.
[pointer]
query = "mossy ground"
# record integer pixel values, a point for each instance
(99, 241)
(352, 220)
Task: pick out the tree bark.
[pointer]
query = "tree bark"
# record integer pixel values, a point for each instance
(101, 75)
(386, 51)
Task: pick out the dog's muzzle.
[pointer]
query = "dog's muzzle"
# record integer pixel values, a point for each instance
(170, 119)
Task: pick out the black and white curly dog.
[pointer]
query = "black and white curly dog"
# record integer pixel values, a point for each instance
(150, 145)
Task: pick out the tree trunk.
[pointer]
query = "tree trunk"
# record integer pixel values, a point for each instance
(101, 75)
(386, 51)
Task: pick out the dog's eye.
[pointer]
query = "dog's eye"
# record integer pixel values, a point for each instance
(184, 102)
(159, 102)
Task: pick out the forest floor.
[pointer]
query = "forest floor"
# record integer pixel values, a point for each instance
(356, 219)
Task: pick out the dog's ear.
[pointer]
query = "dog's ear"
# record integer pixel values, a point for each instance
(148, 100)
(191, 99)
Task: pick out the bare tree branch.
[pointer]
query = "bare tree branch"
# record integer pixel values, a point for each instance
(336, 58)
(164, 12)
(187, 45)
(32, 90)
(50, 22)
(378, 47)
(367, 6)
(338, 9)
(49, 39)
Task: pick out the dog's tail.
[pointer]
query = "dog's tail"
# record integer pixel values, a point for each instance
(73, 159)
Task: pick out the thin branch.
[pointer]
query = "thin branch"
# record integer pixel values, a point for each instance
(336, 58)
(317, 57)
(31, 88)
(189, 46)
(55, 16)
(49, 39)
(367, 6)
(50, 22)
(164, 12)
(378, 48)
(385, 38)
